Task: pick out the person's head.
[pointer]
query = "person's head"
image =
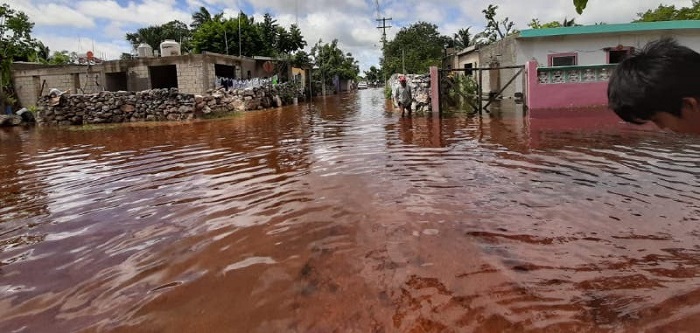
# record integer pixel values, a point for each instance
(659, 83)
(402, 80)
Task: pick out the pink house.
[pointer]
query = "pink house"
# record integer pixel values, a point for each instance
(569, 67)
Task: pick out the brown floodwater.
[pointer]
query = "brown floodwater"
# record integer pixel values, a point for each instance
(343, 217)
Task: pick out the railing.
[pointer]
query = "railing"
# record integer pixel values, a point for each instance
(574, 74)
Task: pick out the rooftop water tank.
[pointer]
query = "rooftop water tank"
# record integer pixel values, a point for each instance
(169, 47)
(144, 51)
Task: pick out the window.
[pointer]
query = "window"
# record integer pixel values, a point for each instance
(563, 59)
(468, 69)
(618, 54)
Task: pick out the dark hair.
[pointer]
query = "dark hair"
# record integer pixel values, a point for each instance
(654, 79)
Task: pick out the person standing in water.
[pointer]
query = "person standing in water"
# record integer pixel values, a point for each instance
(403, 96)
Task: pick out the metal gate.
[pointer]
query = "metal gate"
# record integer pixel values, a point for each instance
(448, 85)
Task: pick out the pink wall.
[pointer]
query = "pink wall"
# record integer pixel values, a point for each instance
(563, 95)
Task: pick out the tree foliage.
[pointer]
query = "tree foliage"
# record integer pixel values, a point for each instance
(495, 29)
(332, 61)
(62, 58)
(463, 38)
(202, 16)
(670, 13)
(419, 46)
(16, 43)
(265, 38)
(374, 74)
(580, 5)
(155, 34)
(535, 24)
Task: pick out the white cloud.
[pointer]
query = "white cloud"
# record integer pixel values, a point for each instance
(148, 12)
(108, 49)
(352, 22)
(53, 14)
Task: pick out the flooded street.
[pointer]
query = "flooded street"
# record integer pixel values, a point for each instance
(344, 217)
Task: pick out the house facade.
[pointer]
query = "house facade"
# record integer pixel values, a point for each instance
(569, 67)
(190, 74)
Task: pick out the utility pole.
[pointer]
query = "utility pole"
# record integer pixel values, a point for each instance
(403, 62)
(240, 52)
(383, 27)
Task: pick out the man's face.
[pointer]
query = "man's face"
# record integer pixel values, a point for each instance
(688, 122)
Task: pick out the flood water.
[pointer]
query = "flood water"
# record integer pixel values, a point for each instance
(342, 217)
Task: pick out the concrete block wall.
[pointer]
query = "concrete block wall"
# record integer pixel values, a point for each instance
(191, 77)
(88, 83)
(26, 90)
(138, 78)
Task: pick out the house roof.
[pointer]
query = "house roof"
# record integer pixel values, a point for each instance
(469, 49)
(610, 28)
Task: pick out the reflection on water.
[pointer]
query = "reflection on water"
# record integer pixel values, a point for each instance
(343, 216)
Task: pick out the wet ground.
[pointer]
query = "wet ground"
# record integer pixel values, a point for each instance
(343, 217)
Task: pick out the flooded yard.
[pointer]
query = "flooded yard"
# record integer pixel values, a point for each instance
(343, 217)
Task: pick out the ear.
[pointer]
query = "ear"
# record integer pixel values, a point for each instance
(690, 104)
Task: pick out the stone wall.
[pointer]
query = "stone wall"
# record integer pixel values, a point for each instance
(159, 105)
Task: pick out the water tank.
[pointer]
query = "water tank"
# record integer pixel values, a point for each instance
(169, 47)
(144, 51)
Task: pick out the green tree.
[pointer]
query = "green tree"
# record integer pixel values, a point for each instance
(202, 16)
(301, 59)
(535, 24)
(580, 5)
(289, 41)
(495, 29)
(270, 33)
(16, 43)
(155, 34)
(418, 47)
(60, 58)
(374, 74)
(215, 36)
(670, 13)
(266, 38)
(463, 39)
(332, 62)
(43, 53)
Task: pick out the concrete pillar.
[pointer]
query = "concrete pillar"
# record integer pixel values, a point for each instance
(434, 90)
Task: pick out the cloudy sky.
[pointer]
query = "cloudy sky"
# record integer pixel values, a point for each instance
(100, 25)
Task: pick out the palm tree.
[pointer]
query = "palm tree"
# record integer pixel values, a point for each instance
(463, 39)
(203, 16)
(569, 23)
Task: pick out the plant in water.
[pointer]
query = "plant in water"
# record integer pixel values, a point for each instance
(461, 91)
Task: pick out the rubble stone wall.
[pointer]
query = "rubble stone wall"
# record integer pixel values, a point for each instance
(158, 105)
(420, 88)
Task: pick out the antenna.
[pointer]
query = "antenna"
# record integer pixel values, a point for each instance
(379, 15)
